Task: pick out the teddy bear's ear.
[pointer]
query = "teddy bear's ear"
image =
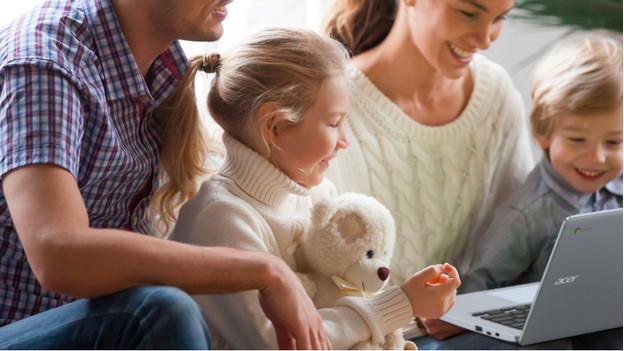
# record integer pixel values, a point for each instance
(350, 226)
(322, 212)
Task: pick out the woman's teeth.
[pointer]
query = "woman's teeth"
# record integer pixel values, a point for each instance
(459, 52)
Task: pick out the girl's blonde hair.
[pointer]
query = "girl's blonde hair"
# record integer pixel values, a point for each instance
(185, 148)
(278, 65)
(284, 66)
(581, 75)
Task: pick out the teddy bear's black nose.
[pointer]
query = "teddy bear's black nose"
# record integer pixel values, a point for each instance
(383, 273)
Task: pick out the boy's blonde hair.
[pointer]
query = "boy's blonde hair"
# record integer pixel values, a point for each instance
(581, 75)
(277, 65)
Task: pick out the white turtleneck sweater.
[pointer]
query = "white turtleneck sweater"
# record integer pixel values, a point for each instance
(440, 183)
(252, 205)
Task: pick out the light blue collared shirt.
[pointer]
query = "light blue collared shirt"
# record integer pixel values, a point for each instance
(517, 245)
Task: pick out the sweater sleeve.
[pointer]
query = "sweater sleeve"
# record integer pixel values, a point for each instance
(238, 317)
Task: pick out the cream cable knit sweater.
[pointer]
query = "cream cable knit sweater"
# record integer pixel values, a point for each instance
(252, 205)
(440, 183)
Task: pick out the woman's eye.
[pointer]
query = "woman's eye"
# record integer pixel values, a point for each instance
(500, 18)
(468, 14)
(370, 253)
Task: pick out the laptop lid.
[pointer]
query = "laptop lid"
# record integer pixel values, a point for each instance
(581, 290)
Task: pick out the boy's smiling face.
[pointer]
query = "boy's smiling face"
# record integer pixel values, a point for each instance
(586, 150)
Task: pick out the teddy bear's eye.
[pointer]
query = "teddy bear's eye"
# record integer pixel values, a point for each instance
(370, 253)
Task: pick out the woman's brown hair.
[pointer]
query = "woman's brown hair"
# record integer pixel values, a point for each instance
(361, 24)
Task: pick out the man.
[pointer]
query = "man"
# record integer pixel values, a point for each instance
(79, 150)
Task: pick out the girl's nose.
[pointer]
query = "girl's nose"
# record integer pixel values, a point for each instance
(343, 140)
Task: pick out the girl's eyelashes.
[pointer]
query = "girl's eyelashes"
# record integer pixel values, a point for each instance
(576, 140)
(614, 142)
(337, 124)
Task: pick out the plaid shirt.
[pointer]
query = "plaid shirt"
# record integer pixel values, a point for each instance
(71, 94)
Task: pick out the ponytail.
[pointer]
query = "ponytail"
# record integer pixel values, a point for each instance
(185, 145)
(360, 25)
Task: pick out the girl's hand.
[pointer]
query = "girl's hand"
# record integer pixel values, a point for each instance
(431, 292)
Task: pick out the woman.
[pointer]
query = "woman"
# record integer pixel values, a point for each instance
(437, 131)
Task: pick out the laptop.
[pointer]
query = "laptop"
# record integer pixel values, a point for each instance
(580, 291)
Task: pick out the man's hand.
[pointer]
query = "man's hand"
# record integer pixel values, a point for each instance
(287, 305)
(431, 292)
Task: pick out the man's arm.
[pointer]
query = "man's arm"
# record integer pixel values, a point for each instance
(69, 257)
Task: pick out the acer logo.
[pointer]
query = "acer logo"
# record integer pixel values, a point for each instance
(566, 280)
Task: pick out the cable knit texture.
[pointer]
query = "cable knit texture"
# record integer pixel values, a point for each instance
(439, 182)
(250, 204)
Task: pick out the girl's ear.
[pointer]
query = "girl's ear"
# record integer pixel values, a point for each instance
(267, 115)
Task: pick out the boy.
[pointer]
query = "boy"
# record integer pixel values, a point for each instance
(577, 121)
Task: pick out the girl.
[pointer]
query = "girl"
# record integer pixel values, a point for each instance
(281, 98)
(437, 131)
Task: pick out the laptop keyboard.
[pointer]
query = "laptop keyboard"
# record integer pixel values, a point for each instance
(513, 317)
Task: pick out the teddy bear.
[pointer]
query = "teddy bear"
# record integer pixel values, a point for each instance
(347, 248)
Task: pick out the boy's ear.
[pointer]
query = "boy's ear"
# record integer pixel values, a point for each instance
(267, 114)
(543, 142)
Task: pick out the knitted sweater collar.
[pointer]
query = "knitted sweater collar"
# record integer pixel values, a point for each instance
(256, 176)
(477, 109)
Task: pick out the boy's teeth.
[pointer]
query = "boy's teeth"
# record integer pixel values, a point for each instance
(589, 173)
(220, 8)
(459, 52)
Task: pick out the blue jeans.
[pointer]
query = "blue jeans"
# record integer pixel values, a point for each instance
(605, 340)
(139, 318)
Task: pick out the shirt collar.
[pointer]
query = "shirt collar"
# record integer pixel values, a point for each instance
(566, 191)
(615, 186)
(257, 176)
(122, 76)
(561, 187)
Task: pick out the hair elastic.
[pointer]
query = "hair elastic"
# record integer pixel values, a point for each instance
(211, 62)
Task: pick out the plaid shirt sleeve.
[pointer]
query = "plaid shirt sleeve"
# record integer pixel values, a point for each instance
(41, 117)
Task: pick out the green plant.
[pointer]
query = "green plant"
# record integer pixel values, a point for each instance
(578, 14)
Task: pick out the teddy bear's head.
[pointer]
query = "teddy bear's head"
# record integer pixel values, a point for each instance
(351, 240)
